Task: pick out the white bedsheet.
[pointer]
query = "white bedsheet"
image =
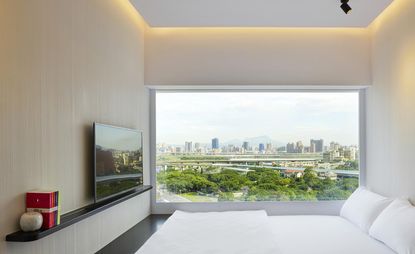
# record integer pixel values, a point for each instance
(322, 235)
(246, 232)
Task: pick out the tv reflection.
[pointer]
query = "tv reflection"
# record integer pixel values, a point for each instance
(112, 162)
(118, 161)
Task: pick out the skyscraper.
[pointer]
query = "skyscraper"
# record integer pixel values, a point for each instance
(334, 146)
(291, 148)
(350, 153)
(299, 147)
(261, 148)
(188, 147)
(245, 145)
(316, 145)
(269, 148)
(197, 148)
(215, 143)
(312, 147)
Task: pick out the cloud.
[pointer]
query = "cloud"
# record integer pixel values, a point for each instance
(284, 116)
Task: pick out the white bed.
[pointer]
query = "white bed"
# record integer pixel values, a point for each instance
(253, 232)
(246, 232)
(322, 235)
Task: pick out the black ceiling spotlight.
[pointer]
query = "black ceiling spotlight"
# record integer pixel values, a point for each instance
(345, 6)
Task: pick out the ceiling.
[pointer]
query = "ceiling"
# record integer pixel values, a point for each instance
(258, 13)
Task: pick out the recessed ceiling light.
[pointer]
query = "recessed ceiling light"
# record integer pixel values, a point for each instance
(345, 6)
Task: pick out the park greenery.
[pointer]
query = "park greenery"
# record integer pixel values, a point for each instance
(260, 184)
(349, 165)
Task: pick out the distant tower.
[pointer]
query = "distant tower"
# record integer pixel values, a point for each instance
(290, 148)
(312, 147)
(269, 148)
(334, 146)
(188, 147)
(300, 147)
(215, 143)
(245, 145)
(197, 147)
(316, 145)
(261, 148)
(125, 158)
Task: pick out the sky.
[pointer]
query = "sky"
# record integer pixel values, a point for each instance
(283, 116)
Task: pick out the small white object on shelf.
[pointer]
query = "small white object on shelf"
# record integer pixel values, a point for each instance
(31, 221)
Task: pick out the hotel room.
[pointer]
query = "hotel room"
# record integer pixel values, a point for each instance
(195, 126)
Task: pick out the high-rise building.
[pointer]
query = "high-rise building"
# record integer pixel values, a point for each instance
(215, 143)
(350, 153)
(261, 148)
(269, 148)
(299, 147)
(334, 146)
(245, 145)
(282, 149)
(188, 147)
(125, 157)
(198, 148)
(291, 148)
(312, 147)
(329, 156)
(316, 145)
(320, 146)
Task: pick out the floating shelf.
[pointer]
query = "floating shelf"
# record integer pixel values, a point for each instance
(73, 217)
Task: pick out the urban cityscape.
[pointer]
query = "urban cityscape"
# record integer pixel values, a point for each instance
(256, 171)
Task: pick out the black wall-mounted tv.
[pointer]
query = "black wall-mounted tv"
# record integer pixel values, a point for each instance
(118, 161)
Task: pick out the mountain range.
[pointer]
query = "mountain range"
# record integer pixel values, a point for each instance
(253, 141)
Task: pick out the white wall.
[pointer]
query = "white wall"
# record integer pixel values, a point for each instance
(257, 57)
(252, 56)
(63, 65)
(391, 103)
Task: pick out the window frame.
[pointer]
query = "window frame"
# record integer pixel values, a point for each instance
(331, 207)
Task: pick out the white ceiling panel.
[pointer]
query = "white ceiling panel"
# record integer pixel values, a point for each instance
(258, 13)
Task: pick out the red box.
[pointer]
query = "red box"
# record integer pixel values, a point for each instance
(46, 203)
(41, 199)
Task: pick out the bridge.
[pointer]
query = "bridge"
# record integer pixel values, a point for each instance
(248, 168)
(242, 160)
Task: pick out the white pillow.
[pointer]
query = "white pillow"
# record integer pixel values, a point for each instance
(395, 226)
(362, 208)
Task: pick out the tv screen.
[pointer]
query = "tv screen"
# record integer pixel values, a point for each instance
(118, 160)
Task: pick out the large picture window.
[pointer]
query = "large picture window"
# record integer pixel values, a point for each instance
(256, 146)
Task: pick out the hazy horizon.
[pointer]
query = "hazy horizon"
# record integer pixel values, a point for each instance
(282, 116)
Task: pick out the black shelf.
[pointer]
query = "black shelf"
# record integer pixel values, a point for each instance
(73, 217)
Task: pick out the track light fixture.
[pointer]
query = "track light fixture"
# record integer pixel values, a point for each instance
(345, 6)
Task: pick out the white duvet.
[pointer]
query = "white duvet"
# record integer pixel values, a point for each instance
(246, 232)
(322, 235)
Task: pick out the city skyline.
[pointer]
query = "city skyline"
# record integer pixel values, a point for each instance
(315, 146)
(222, 144)
(284, 117)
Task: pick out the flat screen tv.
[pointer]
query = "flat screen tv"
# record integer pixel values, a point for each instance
(118, 161)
